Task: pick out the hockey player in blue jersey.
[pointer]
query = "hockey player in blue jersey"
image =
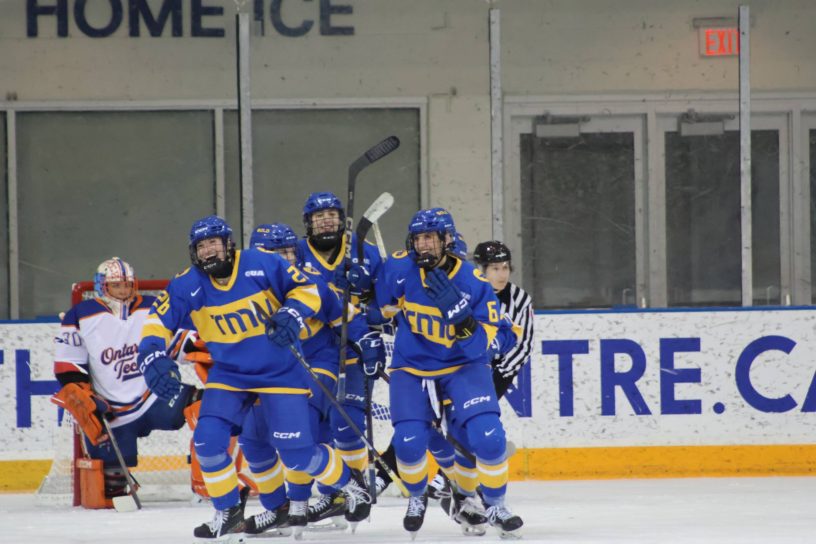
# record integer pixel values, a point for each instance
(447, 327)
(323, 250)
(251, 362)
(321, 351)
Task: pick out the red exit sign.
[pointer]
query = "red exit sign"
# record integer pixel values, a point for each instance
(719, 42)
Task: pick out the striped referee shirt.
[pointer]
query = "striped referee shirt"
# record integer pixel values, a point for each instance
(517, 304)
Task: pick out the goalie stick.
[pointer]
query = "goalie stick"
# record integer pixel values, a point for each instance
(264, 318)
(374, 154)
(125, 503)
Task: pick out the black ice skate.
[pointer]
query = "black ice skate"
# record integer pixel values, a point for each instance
(466, 511)
(439, 489)
(507, 523)
(298, 510)
(270, 522)
(226, 527)
(328, 507)
(381, 484)
(358, 501)
(415, 515)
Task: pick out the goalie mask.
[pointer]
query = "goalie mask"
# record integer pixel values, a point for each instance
(219, 264)
(115, 283)
(435, 220)
(327, 239)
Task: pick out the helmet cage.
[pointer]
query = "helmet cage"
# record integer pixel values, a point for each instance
(213, 227)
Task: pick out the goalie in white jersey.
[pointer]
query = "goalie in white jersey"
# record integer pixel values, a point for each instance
(95, 363)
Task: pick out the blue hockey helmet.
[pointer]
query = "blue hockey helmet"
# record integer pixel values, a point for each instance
(323, 241)
(208, 227)
(459, 247)
(322, 201)
(272, 236)
(437, 220)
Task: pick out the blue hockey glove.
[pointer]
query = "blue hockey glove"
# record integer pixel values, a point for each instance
(446, 296)
(161, 375)
(284, 327)
(372, 354)
(359, 277)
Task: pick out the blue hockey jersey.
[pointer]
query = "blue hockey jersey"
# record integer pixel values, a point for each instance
(424, 344)
(244, 358)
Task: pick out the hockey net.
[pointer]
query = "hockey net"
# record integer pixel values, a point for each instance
(163, 472)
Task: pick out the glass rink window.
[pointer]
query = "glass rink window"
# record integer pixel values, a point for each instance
(298, 152)
(4, 248)
(578, 218)
(93, 185)
(703, 232)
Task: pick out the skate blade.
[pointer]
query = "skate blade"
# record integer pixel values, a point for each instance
(297, 533)
(125, 503)
(473, 530)
(510, 535)
(334, 524)
(413, 534)
(277, 532)
(354, 526)
(235, 538)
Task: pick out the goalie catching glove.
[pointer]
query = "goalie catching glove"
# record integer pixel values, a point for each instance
(87, 408)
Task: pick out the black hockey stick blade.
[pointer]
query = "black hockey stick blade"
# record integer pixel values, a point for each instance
(374, 154)
(382, 149)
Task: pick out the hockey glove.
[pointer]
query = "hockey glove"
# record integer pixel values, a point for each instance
(87, 408)
(372, 353)
(284, 327)
(446, 296)
(357, 279)
(162, 376)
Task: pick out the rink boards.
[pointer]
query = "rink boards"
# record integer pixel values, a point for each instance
(610, 394)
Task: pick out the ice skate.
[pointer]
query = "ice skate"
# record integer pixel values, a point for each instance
(417, 506)
(328, 507)
(507, 523)
(227, 527)
(298, 510)
(358, 501)
(269, 523)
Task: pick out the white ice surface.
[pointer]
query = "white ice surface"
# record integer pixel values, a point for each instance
(717, 510)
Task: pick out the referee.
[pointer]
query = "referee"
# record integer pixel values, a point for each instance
(493, 258)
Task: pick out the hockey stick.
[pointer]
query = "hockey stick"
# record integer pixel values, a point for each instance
(380, 242)
(126, 503)
(369, 421)
(264, 317)
(370, 217)
(369, 157)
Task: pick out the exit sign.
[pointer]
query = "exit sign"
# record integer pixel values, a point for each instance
(719, 42)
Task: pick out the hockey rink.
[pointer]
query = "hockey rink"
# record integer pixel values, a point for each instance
(711, 510)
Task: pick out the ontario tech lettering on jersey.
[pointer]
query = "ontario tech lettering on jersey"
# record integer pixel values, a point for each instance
(123, 359)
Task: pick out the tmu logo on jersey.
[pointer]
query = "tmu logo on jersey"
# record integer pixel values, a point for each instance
(123, 361)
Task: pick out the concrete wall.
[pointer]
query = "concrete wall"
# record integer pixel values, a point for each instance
(434, 49)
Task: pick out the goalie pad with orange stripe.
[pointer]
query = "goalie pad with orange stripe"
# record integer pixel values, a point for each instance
(86, 407)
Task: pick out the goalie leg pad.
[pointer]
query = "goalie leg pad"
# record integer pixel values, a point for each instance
(92, 484)
(86, 407)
